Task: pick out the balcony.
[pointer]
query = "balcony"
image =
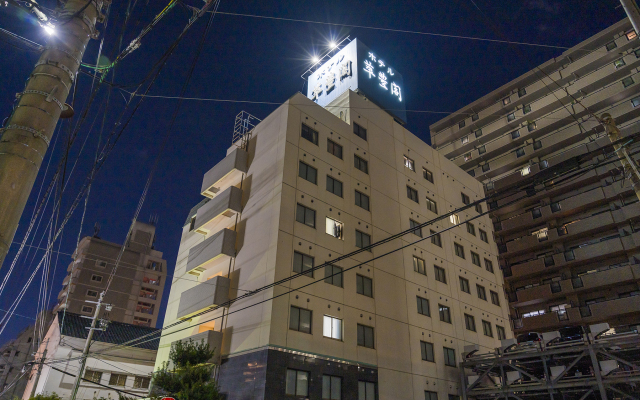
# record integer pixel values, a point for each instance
(216, 249)
(212, 338)
(615, 308)
(213, 292)
(222, 207)
(226, 173)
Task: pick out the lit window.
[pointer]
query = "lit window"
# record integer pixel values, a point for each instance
(526, 170)
(333, 275)
(454, 219)
(542, 234)
(465, 140)
(332, 327)
(506, 101)
(300, 320)
(365, 336)
(428, 175)
(619, 63)
(408, 163)
(631, 35)
(309, 134)
(419, 265)
(297, 383)
(333, 228)
(533, 313)
(628, 81)
(467, 157)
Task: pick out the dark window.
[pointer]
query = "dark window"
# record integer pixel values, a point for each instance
(488, 265)
(303, 263)
(544, 164)
(333, 275)
(435, 238)
(475, 259)
(334, 186)
(364, 285)
(465, 199)
(92, 293)
(495, 299)
(334, 148)
(359, 131)
(300, 320)
(193, 224)
(501, 332)
(141, 382)
(472, 172)
(628, 81)
(361, 164)
(482, 294)
(537, 145)
(637, 53)
(555, 207)
(366, 390)
(331, 387)
(469, 322)
(459, 250)
(520, 152)
(428, 395)
(297, 383)
(93, 376)
(526, 109)
(486, 328)
(461, 124)
(522, 92)
(549, 261)
(485, 167)
(449, 357)
(365, 336)
(362, 240)
(569, 255)
(478, 133)
(471, 228)
(511, 117)
(413, 224)
(536, 213)
(426, 349)
(635, 101)
(117, 379)
(506, 101)
(306, 216)
(423, 306)
(445, 313)
(362, 200)
(419, 265)
(482, 149)
(483, 236)
(310, 134)
(428, 175)
(611, 45)
(475, 117)
(479, 208)
(464, 285)
(515, 135)
(308, 173)
(531, 126)
(441, 276)
(412, 194)
(432, 206)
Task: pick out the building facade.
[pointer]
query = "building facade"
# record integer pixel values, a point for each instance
(136, 291)
(125, 368)
(569, 253)
(313, 184)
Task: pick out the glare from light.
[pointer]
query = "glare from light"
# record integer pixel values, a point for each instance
(333, 45)
(315, 59)
(49, 29)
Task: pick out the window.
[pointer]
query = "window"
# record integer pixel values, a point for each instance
(495, 299)
(364, 285)
(193, 224)
(482, 149)
(454, 219)
(303, 263)
(334, 148)
(470, 322)
(308, 173)
(515, 135)
(365, 336)
(445, 313)
(306, 215)
(333, 275)
(611, 45)
(366, 390)
(511, 117)
(413, 224)
(569, 255)
(619, 63)
(362, 240)
(501, 332)
(537, 145)
(531, 126)
(628, 81)
(426, 349)
(334, 228)
(461, 124)
(423, 306)
(522, 92)
(154, 266)
(412, 194)
(92, 293)
(635, 101)
(93, 376)
(449, 357)
(435, 238)
(332, 328)
(408, 163)
(482, 294)
(467, 157)
(297, 383)
(637, 53)
(428, 175)
(362, 200)
(475, 117)
(525, 170)
(464, 285)
(101, 264)
(419, 265)
(485, 167)
(331, 387)
(430, 395)
(141, 382)
(459, 250)
(506, 100)
(471, 228)
(117, 380)
(486, 328)
(631, 35)
(465, 140)
(359, 131)
(475, 259)
(440, 274)
(334, 186)
(465, 199)
(483, 236)
(361, 164)
(96, 278)
(555, 207)
(526, 109)
(432, 206)
(478, 133)
(309, 134)
(479, 208)
(488, 265)
(536, 213)
(520, 152)
(471, 172)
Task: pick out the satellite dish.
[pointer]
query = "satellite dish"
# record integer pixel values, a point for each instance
(67, 111)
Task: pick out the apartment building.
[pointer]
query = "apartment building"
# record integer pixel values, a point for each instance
(310, 185)
(569, 254)
(136, 291)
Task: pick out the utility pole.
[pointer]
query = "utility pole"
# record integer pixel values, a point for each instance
(28, 131)
(42, 360)
(630, 167)
(631, 8)
(87, 343)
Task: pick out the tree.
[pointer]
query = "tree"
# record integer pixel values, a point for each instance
(191, 375)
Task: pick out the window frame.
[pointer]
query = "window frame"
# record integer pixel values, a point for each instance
(464, 284)
(445, 313)
(360, 131)
(361, 285)
(297, 373)
(417, 262)
(331, 379)
(305, 215)
(421, 303)
(486, 328)
(307, 167)
(336, 224)
(409, 163)
(427, 174)
(298, 321)
(475, 259)
(332, 330)
(358, 199)
(118, 379)
(360, 236)
(435, 238)
(432, 206)
(334, 275)
(440, 274)
(332, 184)
(471, 228)
(488, 265)
(333, 148)
(483, 235)
(470, 322)
(313, 138)
(412, 194)
(482, 292)
(360, 164)
(413, 224)
(495, 297)
(459, 250)
(302, 271)
(450, 357)
(363, 342)
(427, 352)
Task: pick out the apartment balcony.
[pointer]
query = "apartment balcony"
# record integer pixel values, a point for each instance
(211, 338)
(213, 292)
(226, 173)
(224, 206)
(217, 249)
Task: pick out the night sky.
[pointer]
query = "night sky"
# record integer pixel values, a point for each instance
(259, 60)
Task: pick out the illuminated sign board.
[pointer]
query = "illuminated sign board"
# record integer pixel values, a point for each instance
(360, 69)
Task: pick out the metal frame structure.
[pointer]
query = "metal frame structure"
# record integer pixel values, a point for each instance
(242, 129)
(604, 368)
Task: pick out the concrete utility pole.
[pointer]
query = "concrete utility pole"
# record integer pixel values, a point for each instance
(42, 360)
(631, 8)
(630, 167)
(26, 136)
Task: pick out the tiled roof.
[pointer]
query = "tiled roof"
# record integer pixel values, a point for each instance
(116, 332)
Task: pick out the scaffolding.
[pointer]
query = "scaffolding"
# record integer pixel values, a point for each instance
(595, 367)
(242, 129)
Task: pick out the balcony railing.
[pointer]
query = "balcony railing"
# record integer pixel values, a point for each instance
(219, 247)
(207, 294)
(222, 207)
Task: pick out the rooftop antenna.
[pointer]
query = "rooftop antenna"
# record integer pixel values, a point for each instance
(96, 230)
